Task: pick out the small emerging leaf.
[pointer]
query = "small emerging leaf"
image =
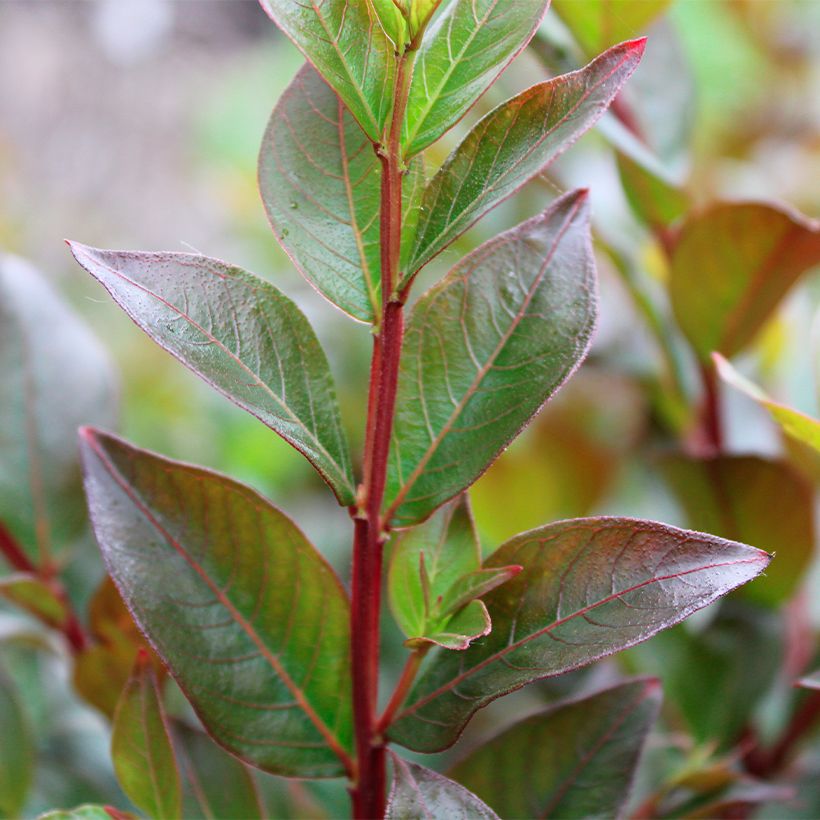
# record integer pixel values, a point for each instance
(255, 628)
(589, 588)
(242, 336)
(141, 746)
(484, 349)
(419, 793)
(457, 631)
(585, 753)
(393, 22)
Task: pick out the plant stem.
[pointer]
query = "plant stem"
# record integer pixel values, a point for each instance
(368, 790)
(408, 675)
(711, 424)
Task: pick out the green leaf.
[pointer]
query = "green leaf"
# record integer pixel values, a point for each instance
(349, 49)
(462, 54)
(215, 784)
(585, 752)
(731, 268)
(597, 24)
(255, 629)
(799, 426)
(419, 793)
(514, 143)
(457, 632)
(87, 812)
(320, 181)
(654, 198)
(484, 349)
(36, 597)
(141, 746)
(392, 22)
(810, 681)
(731, 496)
(242, 336)
(16, 751)
(52, 382)
(589, 588)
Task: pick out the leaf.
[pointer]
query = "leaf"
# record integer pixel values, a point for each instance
(458, 631)
(52, 382)
(349, 48)
(799, 426)
(655, 199)
(392, 22)
(462, 54)
(731, 496)
(484, 349)
(589, 588)
(141, 747)
(810, 681)
(255, 629)
(419, 793)
(732, 266)
(87, 812)
(320, 181)
(242, 336)
(36, 597)
(16, 751)
(513, 143)
(585, 752)
(597, 24)
(215, 783)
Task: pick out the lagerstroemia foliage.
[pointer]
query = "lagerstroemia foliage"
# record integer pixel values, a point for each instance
(277, 658)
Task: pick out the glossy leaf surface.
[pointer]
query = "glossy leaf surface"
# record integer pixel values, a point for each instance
(418, 792)
(16, 751)
(799, 426)
(464, 50)
(349, 48)
(35, 596)
(484, 349)
(584, 752)
(320, 181)
(589, 588)
(141, 747)
(41, 501)
(732, 266)
(255, 630)
(242, 336)
(514, 143)
(731, 496)
(597, 24)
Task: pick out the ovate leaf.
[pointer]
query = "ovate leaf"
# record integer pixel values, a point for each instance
(732, 497)
(254, 625)
(484, 350)
(585, 753)
(419, 793)
(733, 264)
(350, 50)
(597, 24)
(36, 597)
(320, 181)
(588, 588)
(242, 336)
(16, 751)
(463, 52)
(514, 143)
(141, 747)
(56, 376)
(799, 426)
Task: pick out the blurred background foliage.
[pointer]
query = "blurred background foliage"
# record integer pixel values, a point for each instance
(137, 125)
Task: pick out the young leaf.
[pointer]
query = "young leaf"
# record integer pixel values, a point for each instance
(462, 54)
(484, 350)
(320, 181)
(810, 681)
(798, 425)
(732, 266)
(652, 196)
(241, 335)
(585, 752)
(393, 23)
(255, 629)
(56, 376)
(141, 746)
(514, 143)
(348, 46)
(457, 632)
(215, 783)
(589, 588)
(597, 24)
(36, 597)
(419, 792)
(731, 496)
(16, 751)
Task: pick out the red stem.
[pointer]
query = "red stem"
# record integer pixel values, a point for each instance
(368, 790)
(408, 675)
(711, 424)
